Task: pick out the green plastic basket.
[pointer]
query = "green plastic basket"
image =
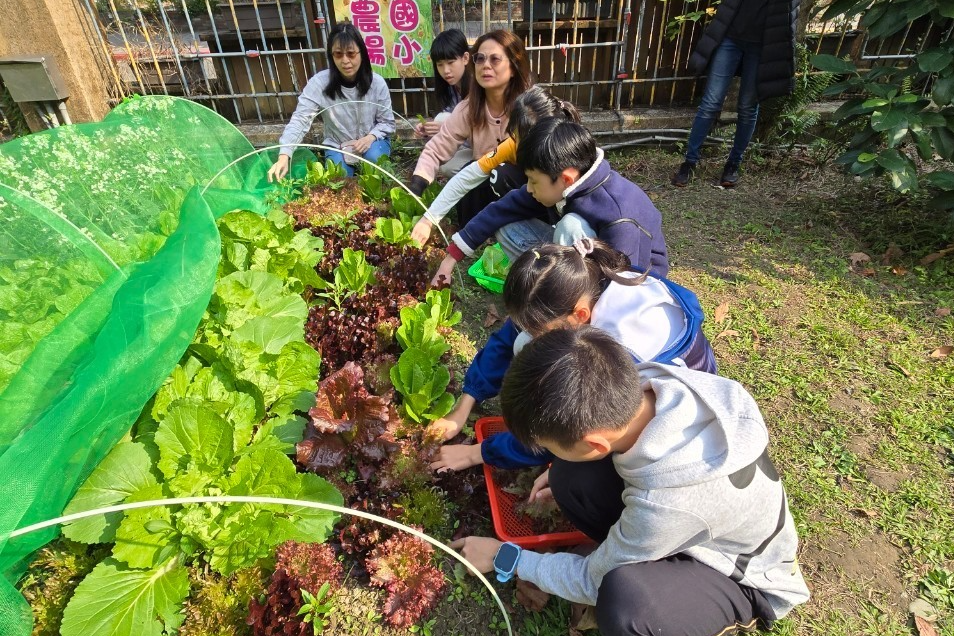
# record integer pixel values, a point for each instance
(486, 281)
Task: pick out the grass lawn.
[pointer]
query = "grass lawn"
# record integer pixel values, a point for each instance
(839, 356)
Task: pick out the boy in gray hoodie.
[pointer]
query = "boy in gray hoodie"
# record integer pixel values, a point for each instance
(705, 544)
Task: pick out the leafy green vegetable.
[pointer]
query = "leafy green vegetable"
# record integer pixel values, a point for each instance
(422, 384)
(35, 295)
(221, 424)
(495, 262)
(141, 537)
(114, 600)
(216, 387)
(405, 206)
(352, 276)
(373, 182)
(193, 439)
(328, 174)
(270, 244)
(438, 304)
(392, 231)
(126, 470)
(354, 271)
(419, 330)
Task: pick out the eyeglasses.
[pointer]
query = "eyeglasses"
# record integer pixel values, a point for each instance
(351, 54)
(495, 60)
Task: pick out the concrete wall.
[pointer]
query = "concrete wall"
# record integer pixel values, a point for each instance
(60, 28)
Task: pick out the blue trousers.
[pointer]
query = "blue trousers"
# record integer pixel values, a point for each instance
(722, 68)
(378, 148)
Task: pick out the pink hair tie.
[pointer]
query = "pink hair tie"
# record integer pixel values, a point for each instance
(584, 246)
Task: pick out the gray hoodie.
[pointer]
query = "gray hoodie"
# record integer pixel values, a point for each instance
(698, 481)
(345, 122)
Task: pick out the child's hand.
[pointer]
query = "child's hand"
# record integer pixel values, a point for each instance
(457, 457)
(422, 231)
(541, 488)
(446, 269)
(431, 128)
(420, 131)
(480, 551)
(446, 428)
(279, 169)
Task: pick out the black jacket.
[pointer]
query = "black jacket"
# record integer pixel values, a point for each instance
(777, 63)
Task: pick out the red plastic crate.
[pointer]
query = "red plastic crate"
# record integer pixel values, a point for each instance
(508, 525)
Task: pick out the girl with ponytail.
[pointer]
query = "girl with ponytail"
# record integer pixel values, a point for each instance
(554, 286)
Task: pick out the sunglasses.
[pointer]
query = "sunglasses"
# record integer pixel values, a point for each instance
(495, 60)
(351, 54)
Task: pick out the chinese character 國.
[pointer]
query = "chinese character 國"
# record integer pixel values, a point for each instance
(404, 15)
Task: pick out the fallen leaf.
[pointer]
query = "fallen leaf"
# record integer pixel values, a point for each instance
(904, 372)
(531, 596)
(858, 258)
(942, 352)
(871, 514)
(893, 253)
(899, 270)
(582, 617)
(930, 258)
(721, 312)
(727, 333)
(924, 627)
(920, 607)
(868, 271)
(941, 312)
(492, 316)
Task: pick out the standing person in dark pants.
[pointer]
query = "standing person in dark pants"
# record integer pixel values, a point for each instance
(754, 39)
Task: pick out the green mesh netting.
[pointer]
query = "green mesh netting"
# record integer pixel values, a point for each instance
(108, 256)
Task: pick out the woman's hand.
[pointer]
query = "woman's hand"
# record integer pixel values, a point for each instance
(422, 231)
(279, 169)
(445, 271)
(427, 129)
(541, 488)
(480, 551)
(362, 145)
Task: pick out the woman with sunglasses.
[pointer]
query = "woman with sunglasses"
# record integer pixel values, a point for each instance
(354, 103)
(501, 73)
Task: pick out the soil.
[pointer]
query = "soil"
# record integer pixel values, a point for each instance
(840, 563)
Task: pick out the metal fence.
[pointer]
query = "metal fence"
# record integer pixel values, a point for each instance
(250, 59)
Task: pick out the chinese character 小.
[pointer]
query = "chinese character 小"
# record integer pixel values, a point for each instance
(405, 49)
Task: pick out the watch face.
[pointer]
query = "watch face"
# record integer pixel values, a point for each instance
(506, 558)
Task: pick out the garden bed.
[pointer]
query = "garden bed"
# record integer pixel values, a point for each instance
(321, 341)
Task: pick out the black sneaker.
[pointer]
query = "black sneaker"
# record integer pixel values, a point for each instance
(682, 176)
(730, 175)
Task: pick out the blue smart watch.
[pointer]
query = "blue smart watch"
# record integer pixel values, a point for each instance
(505, 561)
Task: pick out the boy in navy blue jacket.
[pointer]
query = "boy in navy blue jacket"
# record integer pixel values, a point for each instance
(571, 192)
